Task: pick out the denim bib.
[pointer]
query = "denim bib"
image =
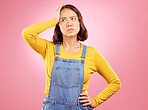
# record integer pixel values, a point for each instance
(66, 83)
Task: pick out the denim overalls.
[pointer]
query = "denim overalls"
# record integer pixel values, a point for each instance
(66, 83)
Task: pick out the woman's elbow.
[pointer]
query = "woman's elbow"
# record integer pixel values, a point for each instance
(24, 33)
(119, 84)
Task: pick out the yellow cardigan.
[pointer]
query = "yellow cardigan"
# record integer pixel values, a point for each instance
(94, 61)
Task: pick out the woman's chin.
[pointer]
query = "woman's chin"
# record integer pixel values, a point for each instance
(71, 35)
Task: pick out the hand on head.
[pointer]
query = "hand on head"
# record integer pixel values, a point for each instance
(57, 13)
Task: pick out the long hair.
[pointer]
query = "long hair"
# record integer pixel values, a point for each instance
(82, 34)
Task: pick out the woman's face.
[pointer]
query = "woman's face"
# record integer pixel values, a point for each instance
(69, 23)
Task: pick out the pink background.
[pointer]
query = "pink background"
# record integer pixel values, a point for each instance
(117, 28)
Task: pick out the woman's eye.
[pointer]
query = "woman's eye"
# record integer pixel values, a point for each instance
(73, 18)
(63, 20)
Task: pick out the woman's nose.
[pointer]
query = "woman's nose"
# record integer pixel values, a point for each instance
(69, 23)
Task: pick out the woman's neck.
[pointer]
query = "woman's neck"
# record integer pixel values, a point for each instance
(71, 43)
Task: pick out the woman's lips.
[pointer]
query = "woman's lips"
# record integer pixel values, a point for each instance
(69, 30)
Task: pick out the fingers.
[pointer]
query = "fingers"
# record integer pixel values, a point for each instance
(83, 94)
(57, 13)
(85, 99)
(87, 104)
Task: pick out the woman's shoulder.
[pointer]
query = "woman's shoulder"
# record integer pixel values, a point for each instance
(92, 50)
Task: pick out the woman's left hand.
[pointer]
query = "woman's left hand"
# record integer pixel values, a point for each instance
(86, 99)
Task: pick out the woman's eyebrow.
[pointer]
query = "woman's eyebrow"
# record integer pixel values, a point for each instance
(72, 16)
(66, 17)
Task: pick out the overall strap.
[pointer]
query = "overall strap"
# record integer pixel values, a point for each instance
(57, 49)
(84, 51)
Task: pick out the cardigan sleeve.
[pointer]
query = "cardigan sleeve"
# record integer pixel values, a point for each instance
(30, 35)
(105, 70)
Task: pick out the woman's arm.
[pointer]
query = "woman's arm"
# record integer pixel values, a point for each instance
(30, 35)
(104, 69)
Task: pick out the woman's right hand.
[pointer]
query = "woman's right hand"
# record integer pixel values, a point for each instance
(57, 13)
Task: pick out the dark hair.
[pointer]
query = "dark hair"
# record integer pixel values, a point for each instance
(82, 35)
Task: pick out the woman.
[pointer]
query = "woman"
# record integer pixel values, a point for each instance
(69, 64)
